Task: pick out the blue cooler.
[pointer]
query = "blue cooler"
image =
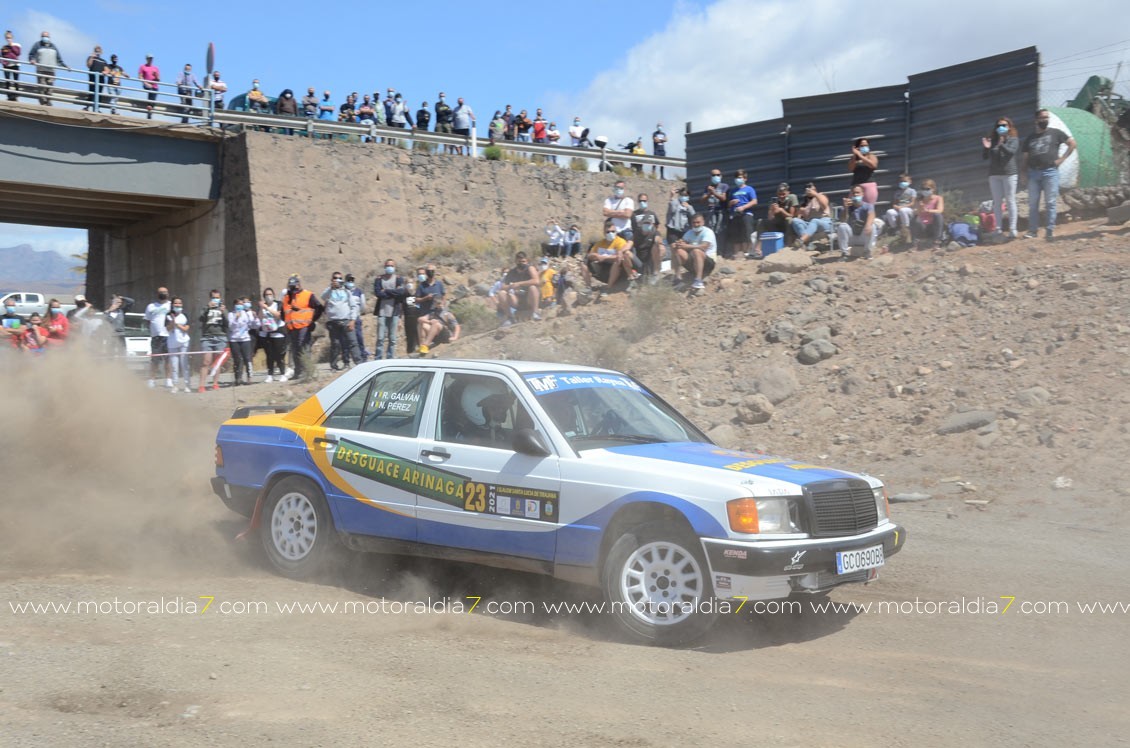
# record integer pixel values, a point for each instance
(771, 241)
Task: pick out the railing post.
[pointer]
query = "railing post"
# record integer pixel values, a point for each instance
(474, 141)
(97, 91)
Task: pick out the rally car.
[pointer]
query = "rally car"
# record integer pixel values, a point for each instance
(581, 473)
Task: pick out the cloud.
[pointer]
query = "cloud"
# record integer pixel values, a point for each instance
(73, 43)
(66, 242)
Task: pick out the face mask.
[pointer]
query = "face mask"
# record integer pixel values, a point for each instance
(389, 270)
(288, 96)
(857, 199)
(255, 86)
(350, 285)
(268, 298)
(739, 182)
(576, 122)
(421, 277)
(659, 129)
(1002, 129)
(684, 199)
(903, 185)
(617, 192)
(239, 307)
(716, 179)
(610, 235)
(643, 203)
(162, 296)
(10, 309)
(864, 149)
(178, 309)
(927, 193)
(56, 310)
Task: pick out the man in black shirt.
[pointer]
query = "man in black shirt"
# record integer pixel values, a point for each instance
(1042, 157)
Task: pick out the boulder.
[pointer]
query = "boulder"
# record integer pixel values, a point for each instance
(755, 409)
(781, 331)
(816, 351)
(967, 421)
(777, 383)
(1033, 397)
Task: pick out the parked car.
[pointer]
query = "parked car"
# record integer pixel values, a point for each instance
(31, 302)
(580, 473)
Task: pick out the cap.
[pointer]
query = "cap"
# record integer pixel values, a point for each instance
(79, 297)
(149, 57)
(543, 261)
(783, 186)
(292, 280)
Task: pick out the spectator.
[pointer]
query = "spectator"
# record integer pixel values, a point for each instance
(46, 57)
(96, 66)
(287, 105)
(463, 121)
(327, 110)
(412, 310)
(257, 101)
(179, 339)
(929, 212)
(347, 112)
(187, 87)
(579, 136)
(553, 137)
(1000, 149)
(858, 227)
(783, 208)
(862, 166)
(695, 253)
(608, 258)
(546, 286)
(310, 104)
(390, 290)
(150, 76)
(57, 325)
(10, 55)
(659, 146)
(358, 321)
(213, 338)
(522, 126)
(540, 124)
(445, 118)
(240, 326)
(11, 324)
(115, 315)
(271, 336)
(619, 208)
(366, 112)
(637, 149)
(437, 327)
(814, 218)
(34, 336)
(1042, 159)
(155, 315)
(679, 214)
(646, 242)
(555, 247)
(511, 120)
(714, 201)
(219, 89)
(341, 311)
(742, 199)
(423, 117)
(388, 102)
(901, 213)
(496, 130)
(520, 288)
(399, 115)
(301, 310)
(573, 241)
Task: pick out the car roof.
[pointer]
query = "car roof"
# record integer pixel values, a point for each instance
(521, 367)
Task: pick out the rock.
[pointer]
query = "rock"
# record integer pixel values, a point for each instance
(781, 331)
(786, 261)
(777, 383)
(944, 365)
(818, 284)
(816, 351)
(1033, 397)
(924, 371)
(826, 413)
(1062, 482)
(966, 269)
(778, 277)
(481, 289)
(851, 384)
(1091, 291)
(906, 497)
(816, 333)
(725, 435)
(986, 441)
(755, 409)
(973, 419)
(726, 270)
(1069, 285)
(1118, 215)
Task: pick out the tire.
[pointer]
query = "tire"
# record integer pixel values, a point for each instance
(297, 530)
(656, 580)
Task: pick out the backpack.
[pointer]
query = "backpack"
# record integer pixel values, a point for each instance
(963, 234)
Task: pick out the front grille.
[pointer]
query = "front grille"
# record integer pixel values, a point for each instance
(841, 507)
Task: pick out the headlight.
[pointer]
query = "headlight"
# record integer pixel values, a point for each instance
(882, 509)
(761, 516)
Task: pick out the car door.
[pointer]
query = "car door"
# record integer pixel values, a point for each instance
(368, 451)
(481, 494)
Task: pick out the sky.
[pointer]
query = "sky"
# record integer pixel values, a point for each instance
(622, 67)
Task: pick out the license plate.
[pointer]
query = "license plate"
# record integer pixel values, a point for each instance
(858, 560)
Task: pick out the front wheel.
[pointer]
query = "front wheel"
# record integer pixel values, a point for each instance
(655, 580)
(296, 529)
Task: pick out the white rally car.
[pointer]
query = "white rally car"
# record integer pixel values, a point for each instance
(577, 472)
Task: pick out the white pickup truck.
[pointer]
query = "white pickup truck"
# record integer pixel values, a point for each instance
(28, 302)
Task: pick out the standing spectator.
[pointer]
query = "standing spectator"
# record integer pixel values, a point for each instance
(520, 287)
(901, 213)
(539, 129)
(578, 135)
(114, 75)
(327, 110)
(423, 117)
(11, 324)
(679, 214)
(859, 227)
(149, 75)
(341, 310)
(257, 101)
(437, 327)
(179, 339)
(742, 199)
(10, 55)
(783, 208)
(555, 247)
(714, 201)
(1042, 159)
(213, 338)
(445, 118)
(46, 57)
(187, 88)
(301, 310)
(522, 126)
(155, 315)
(573, 240)
(388, 102)
(347, 112)
(637, 149)
(390, 290)
(412, 311)
(510, 119)
(96, 67)
(115, 315)
(399, 115)
(619, 209)
(815, 217)
(496, 130)
(659, 146)
(310, 104)
(271, 336)
(219, 89)
(358, 321)
(56, 324)
(429, 290)
(929, 221)
(553, 137)
(240, 325)
(646, 242)
(862, 166)
(463, 120)
(287, 105)
(695, 253)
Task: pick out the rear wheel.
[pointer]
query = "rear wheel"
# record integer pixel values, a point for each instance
(656, 580)
(296, 529)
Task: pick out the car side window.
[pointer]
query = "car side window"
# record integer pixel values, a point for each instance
(395, 403)
(480, 410)
(348, 414)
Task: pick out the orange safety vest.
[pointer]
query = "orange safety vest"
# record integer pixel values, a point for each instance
(301, 317)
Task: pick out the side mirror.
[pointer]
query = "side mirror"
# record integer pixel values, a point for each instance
(530, 442)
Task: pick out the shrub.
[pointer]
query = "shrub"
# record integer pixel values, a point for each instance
(473, 315)
(493, 153)
(579, 164)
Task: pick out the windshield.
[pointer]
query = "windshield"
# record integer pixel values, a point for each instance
(594, 411)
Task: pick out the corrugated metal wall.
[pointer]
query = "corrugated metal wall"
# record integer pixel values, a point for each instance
(933, 124)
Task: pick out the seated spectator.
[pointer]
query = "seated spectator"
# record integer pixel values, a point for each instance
(618, 209)
(901, 213)
(57, 326)
(859, 227)
(929, 212)
(862, 166)
(555, 247)
(783, 208)
(646, 242)
(695, 253)
(437, 327)
(679, 214)
(815, 217)
(520, 287)
(573, 240)
(34, 335)
(608, 259)
(257, 100)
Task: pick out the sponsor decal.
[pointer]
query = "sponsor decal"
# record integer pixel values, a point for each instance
(721, 582)
(543, 384)
(735, 553)
(794, 563)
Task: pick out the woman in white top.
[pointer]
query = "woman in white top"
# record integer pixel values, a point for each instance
(272, 337)
(176, 321)
(240, 324)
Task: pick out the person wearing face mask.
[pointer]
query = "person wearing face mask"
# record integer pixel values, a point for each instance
(341, 311)
(573, 240)
(999, 148)
(496, 130)
(521, 288)
(859, 228)
(56, 324)
(10, 54)
(358, 321)
(659, 146)
(439, 326)
(695, 253)
(187, 88)
(741, 199)
(179, 339)
(618, 208)
(1042, 158)
(272, 339)
(218, 88)
(579, 135)
(714, 201)
(679, 214)
(287, 105)
(862, 166)
(400, 115)
(390, 289)
(149, 75)
(240, 324)
(783, 208)
(155, 315)
(11, 324)
(901, 213)
(46, 58)
(213, 337)
(444, 119)
(310, 104)
(96, 67)
(608, 258)
(647, 244)
(929, 211)
(462, 121)
(257, 101)
(33, 336)
(813, 218)
(412, 309)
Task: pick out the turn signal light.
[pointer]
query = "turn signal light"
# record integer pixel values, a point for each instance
(219, 456)
(743, 515)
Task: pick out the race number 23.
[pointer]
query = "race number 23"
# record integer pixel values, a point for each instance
(474, 496)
